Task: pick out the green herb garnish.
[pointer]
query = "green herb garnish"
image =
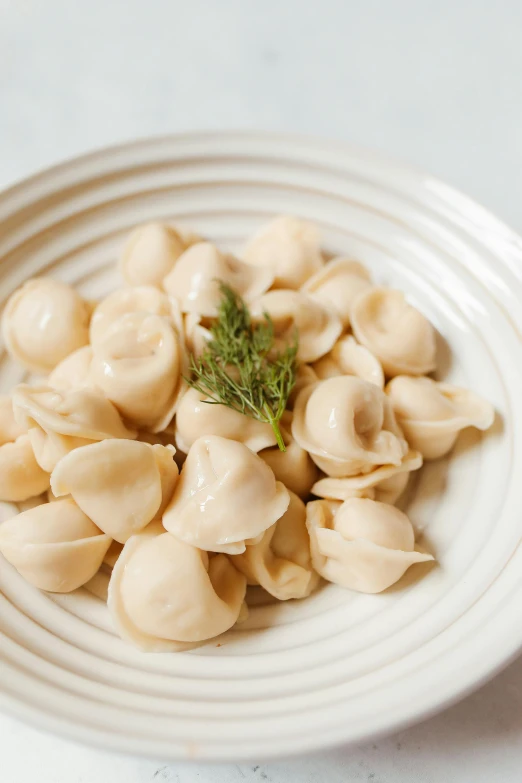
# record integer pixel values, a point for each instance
(240, 367)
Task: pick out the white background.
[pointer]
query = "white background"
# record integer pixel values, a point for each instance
(438, 84)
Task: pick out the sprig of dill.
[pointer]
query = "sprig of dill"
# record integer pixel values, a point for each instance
(240, 367)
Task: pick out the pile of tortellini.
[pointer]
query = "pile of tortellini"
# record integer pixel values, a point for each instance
(116, 462)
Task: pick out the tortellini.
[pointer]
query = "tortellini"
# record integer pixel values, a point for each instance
(166, 595)
(73, 372)
(395, 332)
(347, 357)
(338, 284)
(293, 312)
(385, 483)
(60, 421)
(225, 496)
(361, 544)
(138, 299)
(10, 430)
(121, 485)
(280, 562)
(292, 467)
(150, 253)
(347, 426)
(139, 366)
(21, 477)
(54, 546)
(194, 281)
(196, 416)
(432, 414)
(289, 247)
(43, 322)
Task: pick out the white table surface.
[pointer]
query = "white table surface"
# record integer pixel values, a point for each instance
(436, 84)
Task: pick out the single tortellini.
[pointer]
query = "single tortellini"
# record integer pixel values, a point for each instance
(73, 372)
(136, 299)
(150, 253)
(347, 426)
(10, 430)
(165, 595)
(194, 281)
(292, 467)
(293, 312)
(225, 496)
(432, 414)
(338, 284)
(139, 365)
(21, 477)
(43, 322)
(347, 357)
(280, 562)
(60, 421)
(121, 485)
(289, 247)
(386, 483)
(197, 415)
(361, 544)
(54, 546)
(395, 332)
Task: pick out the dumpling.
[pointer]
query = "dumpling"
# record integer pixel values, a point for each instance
(317, 327)
(21, 477)
(195, 417)
(432, 414)
(280, 562)
(10, 430)
(289, 247)
(60, 421)
(385, 483)
(395, 332)
(73, 371)
(347, 357)
(54, 546)
(347, 426)
(43, 322)
(150, 253)
(362, 544)
(138, 299)
(139, 364)
(165, 595)
(194, 281)
(292, 467)
(119, 484)
(305, 376)
(225, 495)
(338, 284)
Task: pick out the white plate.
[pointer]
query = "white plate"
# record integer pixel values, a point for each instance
(337, 667)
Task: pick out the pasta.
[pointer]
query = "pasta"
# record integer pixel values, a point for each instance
(293, 312)
(60, 421)
(195, 418)
(218, 423)
(344, 425)
(225, 496)
(347, 357)
(338, 284)
(148, 597)
(280, 562)
(150, 254)
(395, 332)
(194, 279)
(138, 365)
(54, 546)
(43, 322)
(289, 247)
(119, 484)
(361, 544)
(432, 414)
